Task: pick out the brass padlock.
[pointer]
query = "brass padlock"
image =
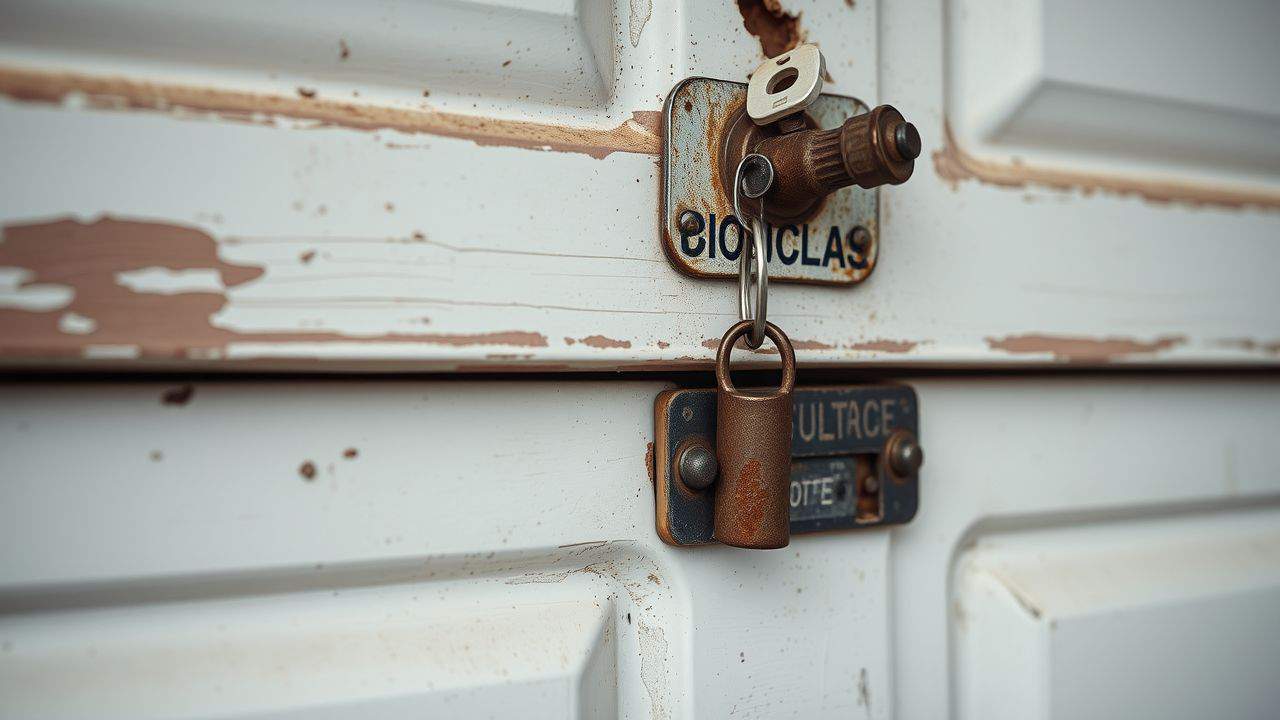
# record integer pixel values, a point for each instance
(753, 446)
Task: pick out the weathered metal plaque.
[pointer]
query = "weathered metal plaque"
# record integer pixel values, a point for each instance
(837, 246)
(839, 479)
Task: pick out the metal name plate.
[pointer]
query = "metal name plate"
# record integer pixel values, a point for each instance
(839, 480)
(838, 246)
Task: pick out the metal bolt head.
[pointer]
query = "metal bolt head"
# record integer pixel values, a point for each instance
(907, 141)
(905, 454)
(689, 223)
(698, 467)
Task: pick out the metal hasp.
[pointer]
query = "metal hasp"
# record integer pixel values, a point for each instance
(821, 229)
(854, 463)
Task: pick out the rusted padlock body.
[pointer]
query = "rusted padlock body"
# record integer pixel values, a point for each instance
(753, 445)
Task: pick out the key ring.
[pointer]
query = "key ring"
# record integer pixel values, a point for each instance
(758, 182)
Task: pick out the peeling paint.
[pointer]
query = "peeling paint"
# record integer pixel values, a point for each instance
(639, 134)
(603, 343)
(953, 165)
(1083, 349)
(641, 10)
(1271, 347)
(653, 666)
(777, 29)
(164, 281)
(152, 289)
(77, 324)
(884, 346)
(17, 291)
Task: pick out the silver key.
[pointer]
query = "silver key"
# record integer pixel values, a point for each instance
(785, 85)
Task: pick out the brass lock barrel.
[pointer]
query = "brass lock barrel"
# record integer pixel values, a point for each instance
(868, 150)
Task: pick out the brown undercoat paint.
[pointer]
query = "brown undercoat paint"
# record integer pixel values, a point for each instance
(639, 134)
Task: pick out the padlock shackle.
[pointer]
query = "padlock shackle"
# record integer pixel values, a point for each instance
(785, 352)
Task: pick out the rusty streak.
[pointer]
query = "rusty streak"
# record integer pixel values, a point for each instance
(953, 165)
(1083, 349)
(639, 134)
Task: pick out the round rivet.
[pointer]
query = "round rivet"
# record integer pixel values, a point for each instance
(698, 467)
(689, 223)
(905, 454)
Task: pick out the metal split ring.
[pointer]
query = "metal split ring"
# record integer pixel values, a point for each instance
(757, 183)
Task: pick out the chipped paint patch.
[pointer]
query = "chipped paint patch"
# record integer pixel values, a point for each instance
(1250, 345)
(953, 165)
(18, 292)
(150, 289)
(76, 324)
(653, 667)
(639, 134)
(110, 352)
(641, 10)
(603, 343)
(1083, 349)
(777, 29)
(884, 346)
(164, 281)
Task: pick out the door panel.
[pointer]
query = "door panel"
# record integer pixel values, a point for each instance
(162, 547)
(376, 187)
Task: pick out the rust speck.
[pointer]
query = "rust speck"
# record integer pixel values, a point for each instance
(179, 395)
(1083, 349)
(344, 52)
(351, 453)
(307, 256)
(306, 92)
(777, 29)
(307, 470)
(602, 342)
(663, 344)
(653, 578)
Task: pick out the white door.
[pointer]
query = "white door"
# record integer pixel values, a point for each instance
(334, 332)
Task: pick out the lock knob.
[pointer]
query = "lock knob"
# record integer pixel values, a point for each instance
(869, 150)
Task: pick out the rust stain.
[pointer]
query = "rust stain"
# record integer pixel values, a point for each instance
(953, 165)
(648, 460)
(1083, 349)
(307, 470)
(603, 343)
(351, 453)
(777, 29)
(639, 134)
(178, 396)
(88, 256)
(307, 256)
(749, 496)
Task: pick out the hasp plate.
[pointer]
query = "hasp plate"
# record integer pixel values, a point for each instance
(827, 249)
(839, 480)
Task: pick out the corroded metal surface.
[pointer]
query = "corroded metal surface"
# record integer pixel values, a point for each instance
(753, 446)
(701, 117)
